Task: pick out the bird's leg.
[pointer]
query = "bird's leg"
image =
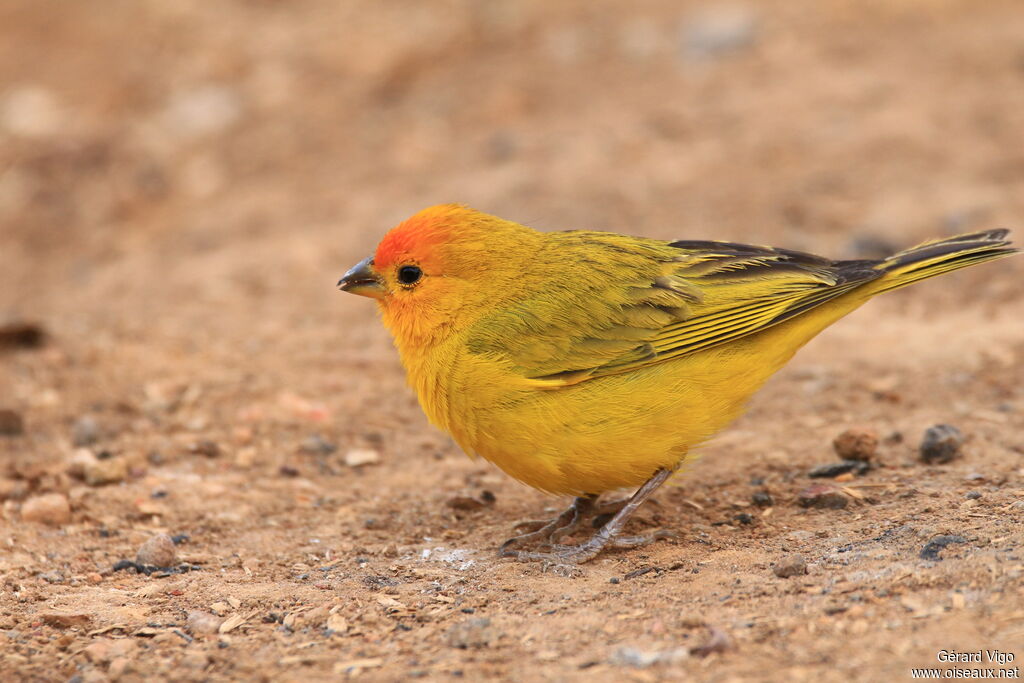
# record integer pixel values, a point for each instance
(606, 535)
(604, 511)
(552, 531)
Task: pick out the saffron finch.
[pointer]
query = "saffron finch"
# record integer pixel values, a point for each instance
(582, 362)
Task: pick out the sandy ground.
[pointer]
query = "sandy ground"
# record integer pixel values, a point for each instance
(181, 184)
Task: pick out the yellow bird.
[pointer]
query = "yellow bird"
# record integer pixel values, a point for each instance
(581, 362)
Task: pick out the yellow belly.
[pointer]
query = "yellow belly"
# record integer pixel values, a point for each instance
(613, 431)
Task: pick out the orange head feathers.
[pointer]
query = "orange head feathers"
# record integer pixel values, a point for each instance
(428, 270)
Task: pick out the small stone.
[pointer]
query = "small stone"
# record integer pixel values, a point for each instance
(85, 432)
(718, 31)
(11, 423)
(835, 469)
(972, 495)
(465, 503)
(80, 460)
(793, 565)
(64, 620)
(51, 577)
(107, 649)
(158, 551)
(49, 508)
(202, 623)
(824, 496)
(641, 659)
(21, 335)
(105, 471)
(31, 111)
(195, 660)
(856, 444)
(472, 633)
(934, 546)
(359, 457)
(894, 439)
(201, 111)
(118, 667)
(94, 578)
(941, 444)
(220, 608)
(205, 447)
(762, 499)
(13, 489)
(336, 624)
(317, 445)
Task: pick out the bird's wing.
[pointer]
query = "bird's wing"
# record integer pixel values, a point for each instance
(632, 303)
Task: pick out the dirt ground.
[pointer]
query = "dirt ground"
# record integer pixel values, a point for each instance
(182, 183)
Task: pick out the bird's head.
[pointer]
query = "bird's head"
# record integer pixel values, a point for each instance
(441, 267)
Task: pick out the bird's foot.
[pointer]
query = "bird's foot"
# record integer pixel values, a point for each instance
(548, 533)
(606, 536)
(561, 555)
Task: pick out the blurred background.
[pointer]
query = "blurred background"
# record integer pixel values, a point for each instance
(188, 129)
(182, 182)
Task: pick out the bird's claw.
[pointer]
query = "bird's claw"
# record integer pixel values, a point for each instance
(606, 535)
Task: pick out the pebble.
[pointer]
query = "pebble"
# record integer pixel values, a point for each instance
(79, 460)
(718, 31)
(205, 447)
(13, 489)
(31, 111)
(473, 633)
(203, 623)
(972, 495)
(317, 445)
(196, 660)
(941, 444)
(107, 649)
(21, 335)
(830, 470)
(465, 503)
(11, 423)
(824, 496)
(201, 111)
(158, 551)
(64, 620)
(856, 444)
(118, 667)
(792, 565)
(105, 471)
(358, 457)
(85, 432)
(933, 547)
(49, 508)
(642, 659)
(469, 503)
(762, 499)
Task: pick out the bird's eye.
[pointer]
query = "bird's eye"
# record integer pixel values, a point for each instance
(409, 275)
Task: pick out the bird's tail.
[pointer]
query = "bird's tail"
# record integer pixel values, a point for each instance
(941, 256)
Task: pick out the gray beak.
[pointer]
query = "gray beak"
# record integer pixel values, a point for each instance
(362, 280)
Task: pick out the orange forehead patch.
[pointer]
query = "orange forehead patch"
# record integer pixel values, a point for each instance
(415, 237)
